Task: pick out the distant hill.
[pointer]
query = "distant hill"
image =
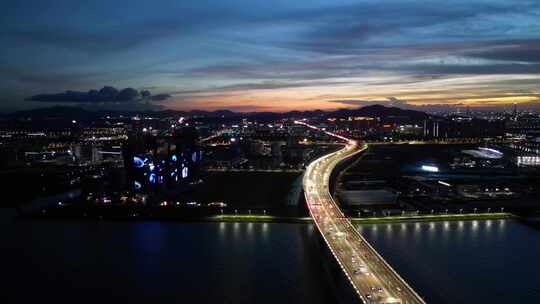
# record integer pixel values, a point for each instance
(380, 111)
(56, 112)
(79, 113)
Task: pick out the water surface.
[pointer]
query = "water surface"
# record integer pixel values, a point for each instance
(492, 261)
(152, 262)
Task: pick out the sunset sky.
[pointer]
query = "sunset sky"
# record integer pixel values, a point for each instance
(276, 55)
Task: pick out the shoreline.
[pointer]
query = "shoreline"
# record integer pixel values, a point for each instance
(433, 218)
(255, 218)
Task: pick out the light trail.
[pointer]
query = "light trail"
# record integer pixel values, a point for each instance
(299, 122)
(370, 276)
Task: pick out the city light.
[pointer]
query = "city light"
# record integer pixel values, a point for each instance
(185, 172)
(138, 162)
(359, 126)
(444, 183)
(491, 150)
(429, 168)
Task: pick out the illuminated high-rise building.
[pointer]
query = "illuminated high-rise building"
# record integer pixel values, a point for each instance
(158, 165)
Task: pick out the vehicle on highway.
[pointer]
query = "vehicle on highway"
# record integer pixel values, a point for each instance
(390, 300)
(217, 204)
(362, 270)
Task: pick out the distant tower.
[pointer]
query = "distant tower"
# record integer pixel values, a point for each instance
(188, 151)
(96, 156)
(515, 113)
(435, 127)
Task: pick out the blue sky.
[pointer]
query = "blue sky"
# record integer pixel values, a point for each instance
(275, 55)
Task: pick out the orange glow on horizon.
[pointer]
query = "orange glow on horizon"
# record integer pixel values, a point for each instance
(459, 91)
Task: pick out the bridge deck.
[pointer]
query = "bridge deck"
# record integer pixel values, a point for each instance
(371, 277)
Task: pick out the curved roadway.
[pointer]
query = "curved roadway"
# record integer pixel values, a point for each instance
(371, 277)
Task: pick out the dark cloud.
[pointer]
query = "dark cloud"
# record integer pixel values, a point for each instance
(105, 32)
(51, 78)
(459, 58)
(519, 51)
(270, 85)
(195, 47)
(284, 72)
(160, 97)
(350, 29)
(471, 69)
(107, 94)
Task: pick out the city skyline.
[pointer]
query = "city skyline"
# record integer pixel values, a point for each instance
(256, 151)
(261, 56)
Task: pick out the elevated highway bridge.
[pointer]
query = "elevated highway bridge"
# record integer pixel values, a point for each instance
(371, 277)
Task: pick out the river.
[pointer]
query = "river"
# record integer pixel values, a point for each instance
(490, 261)
(167, 262)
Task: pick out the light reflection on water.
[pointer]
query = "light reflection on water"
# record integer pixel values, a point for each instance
(251, 230)
(456, 228)
(462, 261)
(148, 262)
(222, 227)
(446, 262)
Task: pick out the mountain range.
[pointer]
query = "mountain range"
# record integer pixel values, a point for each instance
(79, 113)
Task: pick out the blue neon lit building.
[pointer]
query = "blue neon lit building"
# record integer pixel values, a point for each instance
(158, 165)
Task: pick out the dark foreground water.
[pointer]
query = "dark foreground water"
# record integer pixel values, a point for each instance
(493, 261)
(152, 262)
